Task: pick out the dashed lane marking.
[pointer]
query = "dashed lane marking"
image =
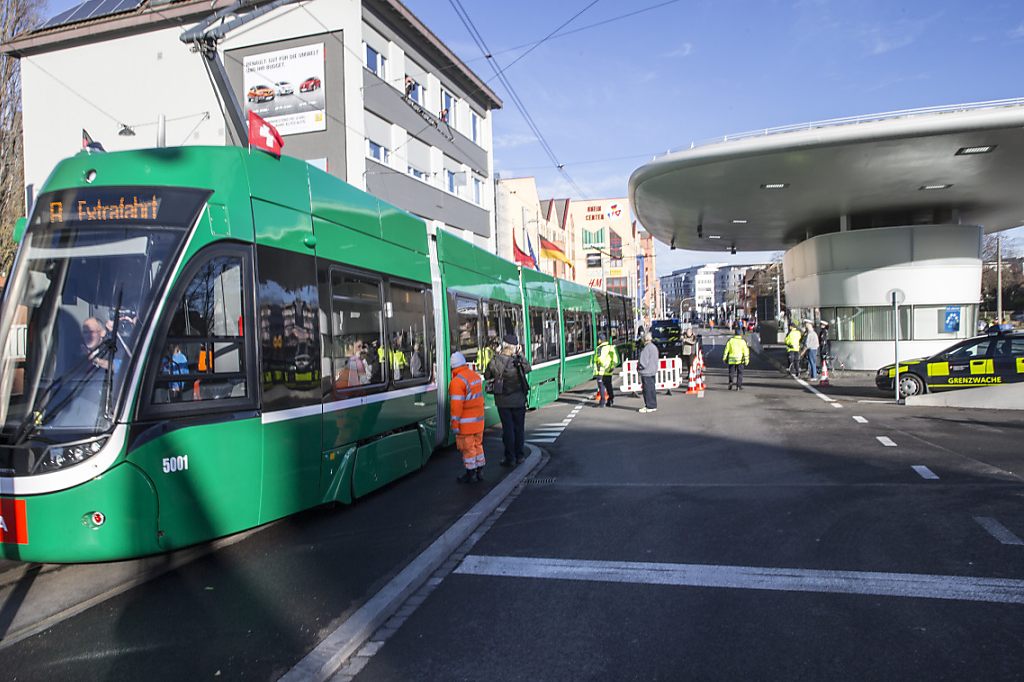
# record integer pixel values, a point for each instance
(886, 441)
(962, 588)
(835, 404)
(998, 530)
(859, 419)
(541, 440)
(925, 472)
(561, 423)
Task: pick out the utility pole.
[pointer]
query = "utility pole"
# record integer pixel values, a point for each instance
(999, 279)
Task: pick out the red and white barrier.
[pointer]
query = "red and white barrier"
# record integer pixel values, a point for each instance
(669, 375)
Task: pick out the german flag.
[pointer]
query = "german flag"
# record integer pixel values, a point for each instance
(549, 249)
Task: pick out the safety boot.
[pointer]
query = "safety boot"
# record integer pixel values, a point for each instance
(466, 477)
(478, 474)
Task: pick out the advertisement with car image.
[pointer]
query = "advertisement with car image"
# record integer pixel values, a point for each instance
(285, 88)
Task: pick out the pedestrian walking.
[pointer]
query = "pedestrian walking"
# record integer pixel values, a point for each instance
(466, 396)
(811, 345)
(689, 348)
(648, 368)
(793, 339)
(737, 356)
(506, 379)
(606, 359)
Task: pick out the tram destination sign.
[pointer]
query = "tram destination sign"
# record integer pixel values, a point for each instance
(137, 205)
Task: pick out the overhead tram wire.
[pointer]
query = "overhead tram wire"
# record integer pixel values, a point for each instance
(542, 40)
(460, 11)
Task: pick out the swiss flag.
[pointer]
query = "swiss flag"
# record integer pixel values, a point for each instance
(264, 136)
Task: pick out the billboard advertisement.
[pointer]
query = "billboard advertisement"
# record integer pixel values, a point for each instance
(286, 88)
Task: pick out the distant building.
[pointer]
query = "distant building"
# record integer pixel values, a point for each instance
(607, 245)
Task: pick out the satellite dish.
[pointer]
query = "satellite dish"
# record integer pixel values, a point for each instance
(897, 294)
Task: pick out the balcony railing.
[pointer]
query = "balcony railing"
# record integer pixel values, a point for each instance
(853, 120)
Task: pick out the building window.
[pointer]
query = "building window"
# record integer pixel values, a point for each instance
(413, 90)
(474, 125)
(593, 238)
(376, 62)
(593, 260)
(449, 180)
(449, 104)
(417, 173)
(378, 151)
(478, 191)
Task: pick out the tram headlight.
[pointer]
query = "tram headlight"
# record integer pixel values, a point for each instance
(60, 456)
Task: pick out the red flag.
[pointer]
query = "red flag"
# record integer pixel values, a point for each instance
(264, 136)
(520, 256)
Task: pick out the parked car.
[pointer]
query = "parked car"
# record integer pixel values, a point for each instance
(994, 358)
(667, 336)
(260, 93)
(310, 84)
(284, 88)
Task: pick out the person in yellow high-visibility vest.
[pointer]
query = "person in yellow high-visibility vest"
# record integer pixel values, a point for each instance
(793, 339)
(606, 359)
(397, 359)
(737, 356)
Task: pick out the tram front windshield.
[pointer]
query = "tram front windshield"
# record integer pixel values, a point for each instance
(91, 267)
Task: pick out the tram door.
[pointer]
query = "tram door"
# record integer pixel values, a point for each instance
(200, 403)
(288, 323)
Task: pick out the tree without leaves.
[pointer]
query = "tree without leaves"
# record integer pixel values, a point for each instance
(16, 16)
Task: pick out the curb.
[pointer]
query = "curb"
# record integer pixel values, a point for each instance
(328, 656)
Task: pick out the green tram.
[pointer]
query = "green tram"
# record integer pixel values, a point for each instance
(200, 340)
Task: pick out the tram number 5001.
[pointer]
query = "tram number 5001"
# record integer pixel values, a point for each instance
(172, 464)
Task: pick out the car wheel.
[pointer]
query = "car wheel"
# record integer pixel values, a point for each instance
(910, 385)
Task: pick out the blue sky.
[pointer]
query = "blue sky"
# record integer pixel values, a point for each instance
(609, 97)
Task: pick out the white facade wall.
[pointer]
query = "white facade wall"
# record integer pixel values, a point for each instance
(133, 79)
(933, 265)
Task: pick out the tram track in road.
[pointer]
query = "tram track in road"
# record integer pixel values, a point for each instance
(35, 597)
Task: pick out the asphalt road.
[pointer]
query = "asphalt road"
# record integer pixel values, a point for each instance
(760, 534)
(733, 537)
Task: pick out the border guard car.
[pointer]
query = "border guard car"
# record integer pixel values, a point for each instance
(994, 358)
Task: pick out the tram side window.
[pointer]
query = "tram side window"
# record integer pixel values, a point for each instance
(357, 339)
(408, 328)
(587, 324)
(544, 334)
(572, 332)
(511, 320)
(552, 334)
(466, 326)
(289, 322)
(203, 355)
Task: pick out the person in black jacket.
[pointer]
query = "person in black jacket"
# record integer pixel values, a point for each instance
(506, 379)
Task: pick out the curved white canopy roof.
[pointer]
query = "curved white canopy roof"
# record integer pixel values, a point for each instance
(871, 169)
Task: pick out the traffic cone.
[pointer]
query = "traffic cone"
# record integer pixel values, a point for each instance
(691, 383)
(700, 374)
(823, 380)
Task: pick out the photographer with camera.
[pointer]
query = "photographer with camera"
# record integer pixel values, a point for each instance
(506, 380)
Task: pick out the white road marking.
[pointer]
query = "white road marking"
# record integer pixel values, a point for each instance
(878, 402)
(813, 390)
(860, 420)
(925, 472)
(998, 530)
(540, 440)
(561, 423)
(325, 659)
(965, 588)
(837, 404)
(547, 432)
(886, 441)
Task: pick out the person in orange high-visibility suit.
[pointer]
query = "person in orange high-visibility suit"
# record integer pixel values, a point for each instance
(466, 396)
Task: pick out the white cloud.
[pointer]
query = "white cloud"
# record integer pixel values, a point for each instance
(878, 43)
(512, 140)
(684, 50)
(1017, 32)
